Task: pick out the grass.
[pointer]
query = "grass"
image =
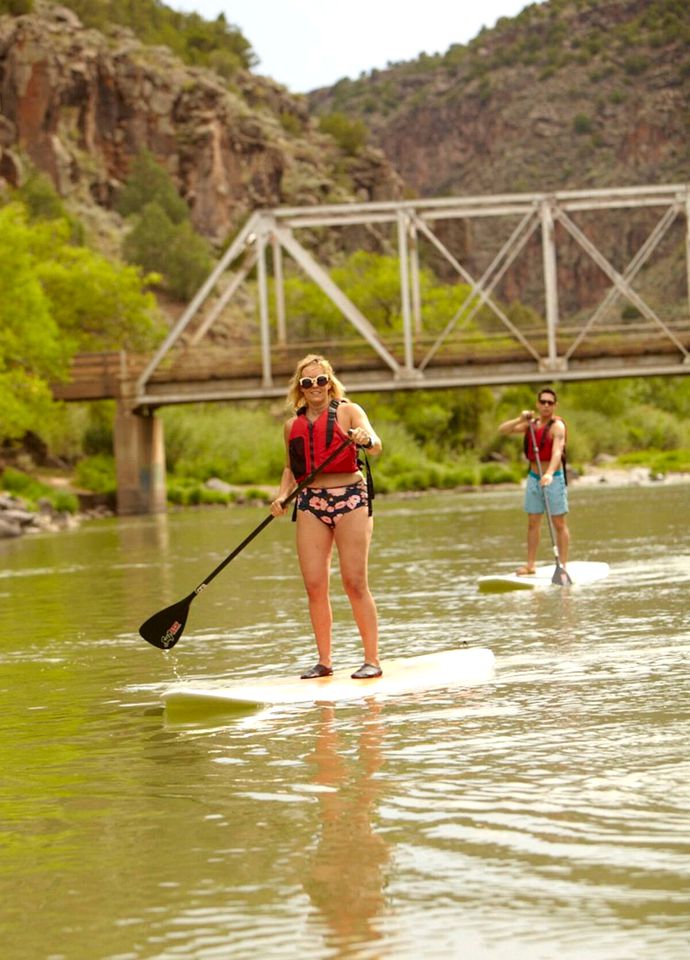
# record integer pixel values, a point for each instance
(33, 491)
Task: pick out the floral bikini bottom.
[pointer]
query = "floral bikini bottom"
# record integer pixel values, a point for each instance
(331, 504)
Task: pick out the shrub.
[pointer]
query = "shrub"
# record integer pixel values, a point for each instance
(492, 473)
(582, 124)
(659, 461)
(97, 474)
(172, 250)
(148, 183)
(350, 135)
(635, 64)
(646, 427)
(16, 7)
(240, 443)
(30, 490)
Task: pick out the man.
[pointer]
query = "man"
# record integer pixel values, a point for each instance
(548, 451)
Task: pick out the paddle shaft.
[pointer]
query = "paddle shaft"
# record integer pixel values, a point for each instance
(265, 522)
(546, 501)
(164, 628)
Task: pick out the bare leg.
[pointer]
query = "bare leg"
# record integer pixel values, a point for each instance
(562, 536)
(314, 548)
(352, 537)
(533, 538)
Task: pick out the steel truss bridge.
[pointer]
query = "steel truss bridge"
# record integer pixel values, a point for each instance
(658, 343)
(187, 368)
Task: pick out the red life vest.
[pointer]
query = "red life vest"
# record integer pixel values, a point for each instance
(310, 443)
(544, 442)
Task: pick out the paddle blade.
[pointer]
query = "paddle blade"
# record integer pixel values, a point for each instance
(164, 628)
(561, 577)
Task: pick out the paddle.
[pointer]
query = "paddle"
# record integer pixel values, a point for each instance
(560, 575)
(164, 628)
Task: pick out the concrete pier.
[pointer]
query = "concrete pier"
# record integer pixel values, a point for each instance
(139, 461)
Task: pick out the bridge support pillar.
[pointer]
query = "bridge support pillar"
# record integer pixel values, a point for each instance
(139, 462)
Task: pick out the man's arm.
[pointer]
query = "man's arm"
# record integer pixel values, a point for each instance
(558, 436)
(517, 424)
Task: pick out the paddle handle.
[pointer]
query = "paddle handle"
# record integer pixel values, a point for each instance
(265, 522)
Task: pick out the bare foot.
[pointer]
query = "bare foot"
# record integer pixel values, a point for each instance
(525, 571)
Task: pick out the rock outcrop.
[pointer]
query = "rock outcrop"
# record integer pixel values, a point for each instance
(567, 95)
(80, 106)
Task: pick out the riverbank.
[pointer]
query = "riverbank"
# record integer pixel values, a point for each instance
(17, 517)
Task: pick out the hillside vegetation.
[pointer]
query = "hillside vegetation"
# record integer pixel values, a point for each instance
(216, 44)
(154, 149)
(570, 93)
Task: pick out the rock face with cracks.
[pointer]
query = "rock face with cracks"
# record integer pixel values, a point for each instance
(81, 106)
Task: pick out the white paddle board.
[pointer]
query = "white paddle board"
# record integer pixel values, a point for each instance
(467, 666)
(579, 571)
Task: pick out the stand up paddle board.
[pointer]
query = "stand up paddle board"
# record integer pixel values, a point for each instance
(579, 571)
(467, 666)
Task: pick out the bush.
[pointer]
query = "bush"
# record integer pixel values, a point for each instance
(635, 64)
(171, 250)
(22, 485)
(16, 7)
(63, 501)
(582, 124)
(492, 473)
(646, 427)
(96, 474)
(185, 492)
(350, 135)
(658, 461)
(240, 443)
(148, 183)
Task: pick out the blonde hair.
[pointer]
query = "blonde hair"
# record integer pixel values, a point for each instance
(295, 398)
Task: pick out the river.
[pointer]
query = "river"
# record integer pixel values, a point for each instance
(541, 815)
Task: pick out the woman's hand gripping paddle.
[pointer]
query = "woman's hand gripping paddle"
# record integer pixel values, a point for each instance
(164, 628)
(560, 576)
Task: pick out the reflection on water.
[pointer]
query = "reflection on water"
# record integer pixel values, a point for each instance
(345, 874)
(543, 815)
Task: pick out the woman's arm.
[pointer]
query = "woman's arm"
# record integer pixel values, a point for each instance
(287, 479)
(356, 420)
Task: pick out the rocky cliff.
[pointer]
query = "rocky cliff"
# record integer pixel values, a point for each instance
(569, 94)
(80, 106)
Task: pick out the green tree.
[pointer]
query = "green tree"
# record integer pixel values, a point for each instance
(372, 282)
(174, 251)
(149, 182)
(57, 299)
(192, 38)
(99, 304)
(350, 135)
(31, 350)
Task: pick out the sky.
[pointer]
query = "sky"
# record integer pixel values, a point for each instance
(305, 44)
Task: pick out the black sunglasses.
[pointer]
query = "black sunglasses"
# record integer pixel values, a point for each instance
(320, 381)
(549, 402)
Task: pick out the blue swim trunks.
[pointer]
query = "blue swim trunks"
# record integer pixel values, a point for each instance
(557, 493)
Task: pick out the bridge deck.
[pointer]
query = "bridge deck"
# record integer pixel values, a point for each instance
(210, 373)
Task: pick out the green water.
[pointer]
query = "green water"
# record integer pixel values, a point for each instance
(543, 815)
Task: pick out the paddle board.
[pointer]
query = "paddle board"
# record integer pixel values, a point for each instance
(466, 666)
(579, 571)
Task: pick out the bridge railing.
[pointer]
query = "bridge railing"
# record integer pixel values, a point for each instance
(93, 376)
(479, 342)
(193, 372)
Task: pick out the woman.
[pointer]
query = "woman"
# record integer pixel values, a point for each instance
(334, 508)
